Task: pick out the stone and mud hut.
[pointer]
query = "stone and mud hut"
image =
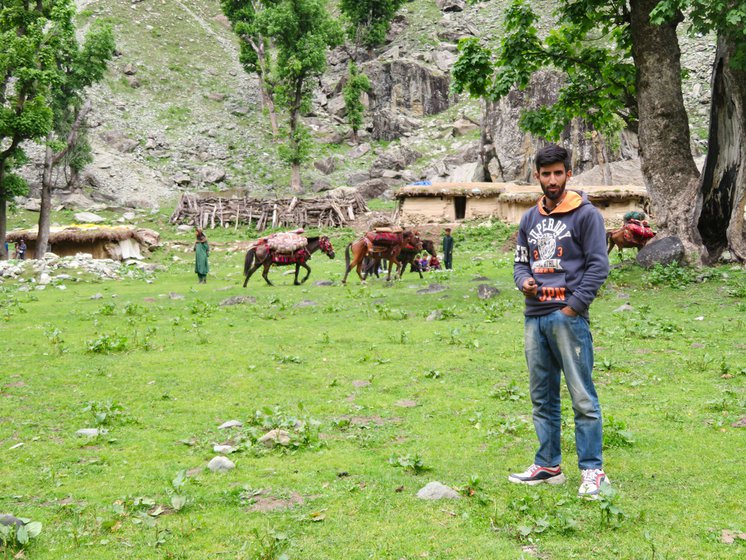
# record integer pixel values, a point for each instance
(102, 242)
(457, 202)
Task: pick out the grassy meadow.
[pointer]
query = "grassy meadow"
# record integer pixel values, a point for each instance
(377, 401)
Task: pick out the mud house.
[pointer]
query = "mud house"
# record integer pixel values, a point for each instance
(103, 242)
(454, 202)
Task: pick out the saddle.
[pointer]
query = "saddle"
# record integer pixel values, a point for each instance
(384, 239)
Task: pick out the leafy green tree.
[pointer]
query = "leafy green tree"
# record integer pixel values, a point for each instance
(369, 20)
(301, 31)
(622, 67)
(255, 54)
(357, 83)
(26, 73)
(77, 69)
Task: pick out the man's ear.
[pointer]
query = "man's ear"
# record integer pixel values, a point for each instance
(569, 173)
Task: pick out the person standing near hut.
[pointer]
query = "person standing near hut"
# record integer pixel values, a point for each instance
(560, 264)
(202, 251)
(447, 249)
(21, 249)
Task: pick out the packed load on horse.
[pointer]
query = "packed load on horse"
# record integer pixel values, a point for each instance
(635, 232)
(385, 236)
(286, 242)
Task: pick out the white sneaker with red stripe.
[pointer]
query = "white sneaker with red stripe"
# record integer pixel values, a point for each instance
(592, 481)
(536, 475)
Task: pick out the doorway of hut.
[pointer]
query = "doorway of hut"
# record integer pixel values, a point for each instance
(459, 206)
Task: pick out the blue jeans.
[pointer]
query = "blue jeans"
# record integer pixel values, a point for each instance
(557, 342)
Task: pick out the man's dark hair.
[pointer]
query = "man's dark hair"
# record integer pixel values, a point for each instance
(552, 153)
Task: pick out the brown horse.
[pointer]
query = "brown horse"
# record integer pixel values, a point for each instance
(406, 257)
(617, 238)
(364, 247)
(261, 255)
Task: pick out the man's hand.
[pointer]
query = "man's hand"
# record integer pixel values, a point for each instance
(529, 288)
(569, 311)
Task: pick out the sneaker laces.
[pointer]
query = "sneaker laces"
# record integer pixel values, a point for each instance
(589, 475)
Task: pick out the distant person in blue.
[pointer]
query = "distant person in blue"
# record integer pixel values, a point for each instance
(447, 249)
(560, 264)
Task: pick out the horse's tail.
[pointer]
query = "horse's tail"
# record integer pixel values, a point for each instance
(249, 262)
(347, 256)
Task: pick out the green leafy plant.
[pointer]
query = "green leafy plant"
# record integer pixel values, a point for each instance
(672, 275)
(15, 537)
(106, 413)
(608, 502)
(107, 344)
(411, 464)
(616, 434)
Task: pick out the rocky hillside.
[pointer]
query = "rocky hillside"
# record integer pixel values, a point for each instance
(177, 112)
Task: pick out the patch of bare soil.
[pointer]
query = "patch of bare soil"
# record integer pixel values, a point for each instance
(265, 503)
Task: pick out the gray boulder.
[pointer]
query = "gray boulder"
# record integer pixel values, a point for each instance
(485, 291)
(664, 251)
(88, 218)
(326, 165)
(437, 491)
(221, 464)
(451, 5)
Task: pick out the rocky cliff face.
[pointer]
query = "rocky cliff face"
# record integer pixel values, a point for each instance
(178, 112)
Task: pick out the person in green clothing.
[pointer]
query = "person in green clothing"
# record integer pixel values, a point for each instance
(202, 250)
(447, 249)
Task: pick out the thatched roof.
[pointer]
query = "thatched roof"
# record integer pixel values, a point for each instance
(77, 234)
(471, 190)
(510, 192)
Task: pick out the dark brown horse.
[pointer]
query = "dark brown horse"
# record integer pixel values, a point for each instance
(365, 247)
(261, 255)
(407, 256)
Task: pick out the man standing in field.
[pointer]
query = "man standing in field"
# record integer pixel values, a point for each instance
(560, 264)
(447, 249)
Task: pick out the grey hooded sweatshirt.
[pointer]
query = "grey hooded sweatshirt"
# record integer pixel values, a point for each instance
(565, 252)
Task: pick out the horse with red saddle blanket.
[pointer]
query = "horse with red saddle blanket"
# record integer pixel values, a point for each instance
(635, 232)
(262, 253)
(381, 244)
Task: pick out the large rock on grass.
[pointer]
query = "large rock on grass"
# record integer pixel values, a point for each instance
(664, 251)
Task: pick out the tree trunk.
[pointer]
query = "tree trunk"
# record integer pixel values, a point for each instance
(267, 98)
(3, 215)
(45, 211)
(295, 182)
(671, 177)
(724, 177)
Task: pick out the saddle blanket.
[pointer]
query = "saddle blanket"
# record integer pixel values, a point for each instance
(634, 230)
(384, 238)
(299, 256)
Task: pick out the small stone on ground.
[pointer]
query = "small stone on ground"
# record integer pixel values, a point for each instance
(221, 464)
(437, 491)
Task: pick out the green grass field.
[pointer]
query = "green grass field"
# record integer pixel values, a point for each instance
(377, 400)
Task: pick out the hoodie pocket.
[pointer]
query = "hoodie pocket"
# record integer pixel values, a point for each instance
(552, 287)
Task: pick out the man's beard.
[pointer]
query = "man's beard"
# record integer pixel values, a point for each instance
(554, 197)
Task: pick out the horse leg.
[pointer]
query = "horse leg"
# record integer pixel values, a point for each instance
(265, 272)
(308, 273)
(251, 271)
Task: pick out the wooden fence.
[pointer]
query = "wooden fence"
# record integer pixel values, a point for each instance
(211, 210)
